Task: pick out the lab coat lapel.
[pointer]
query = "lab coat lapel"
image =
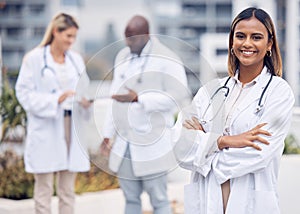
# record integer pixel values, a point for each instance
(254, 95)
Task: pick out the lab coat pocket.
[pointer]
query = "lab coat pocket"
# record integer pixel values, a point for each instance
(191, 198)
(265, 201)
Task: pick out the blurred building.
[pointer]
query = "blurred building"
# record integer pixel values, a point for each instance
(190, 20)
(292, 46)
(201, 26)
(205, 25)
(22, 24)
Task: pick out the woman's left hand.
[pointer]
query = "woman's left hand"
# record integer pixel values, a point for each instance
(245, 139)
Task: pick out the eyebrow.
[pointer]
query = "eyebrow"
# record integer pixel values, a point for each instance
(257, 33)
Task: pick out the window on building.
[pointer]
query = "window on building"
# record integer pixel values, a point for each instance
(38, 31)
(14, 32)
(200, 30)
(198, 10)
(224, 10)
(12, 9)
(13, 52)
(71, 3)
(221, 51)
(223, 29)
(36, 9)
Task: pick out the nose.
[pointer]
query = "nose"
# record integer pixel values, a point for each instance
(247, 42)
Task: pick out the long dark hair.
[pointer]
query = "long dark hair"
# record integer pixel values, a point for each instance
(273, 61)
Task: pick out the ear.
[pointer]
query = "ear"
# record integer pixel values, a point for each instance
(270, 44)
(55, 31)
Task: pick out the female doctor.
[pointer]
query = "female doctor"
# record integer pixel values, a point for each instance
(46, 88)
(236, 136)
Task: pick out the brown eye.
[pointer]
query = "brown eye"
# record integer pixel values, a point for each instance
(257, 37)
(239, 36)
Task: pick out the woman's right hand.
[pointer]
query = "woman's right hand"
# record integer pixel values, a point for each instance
(193, 124)
(65, 95)
(245, 139)
(105, 147)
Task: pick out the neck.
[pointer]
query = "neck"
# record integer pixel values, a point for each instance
(141, 49)
(247, 74)
(57, 53)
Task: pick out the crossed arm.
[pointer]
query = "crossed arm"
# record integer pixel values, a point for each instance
(245, 139)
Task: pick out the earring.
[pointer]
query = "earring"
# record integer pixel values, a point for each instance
(269, 53)
(231, 51)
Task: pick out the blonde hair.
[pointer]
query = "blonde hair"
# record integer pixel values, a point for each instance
(61, 21)
(273, 61)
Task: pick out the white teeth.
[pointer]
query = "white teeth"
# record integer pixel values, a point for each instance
(248, 52)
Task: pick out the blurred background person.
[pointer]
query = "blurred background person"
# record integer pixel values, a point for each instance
(46, 89)
(146, 76)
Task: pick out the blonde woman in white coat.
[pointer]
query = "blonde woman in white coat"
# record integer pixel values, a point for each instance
(236, 142)
(46, 88)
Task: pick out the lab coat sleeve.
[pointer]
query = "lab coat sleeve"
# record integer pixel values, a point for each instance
(194, 149)
(277, 112)
(33, 101)
(108, 127)
(174, 89)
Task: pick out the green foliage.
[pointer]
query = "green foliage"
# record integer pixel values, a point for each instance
(12, 112)
(291, 146)
(17, 184)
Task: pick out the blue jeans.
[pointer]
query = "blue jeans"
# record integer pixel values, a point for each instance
(132, 187)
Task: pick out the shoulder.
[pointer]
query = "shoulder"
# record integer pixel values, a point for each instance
(34, 54)
(280, 83)
(279, 89)
(161, 49)
(209, 88)
(123, 53)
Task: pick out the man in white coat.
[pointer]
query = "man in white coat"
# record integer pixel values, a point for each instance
(142, 112)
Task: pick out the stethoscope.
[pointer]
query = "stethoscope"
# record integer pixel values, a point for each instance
(226, 91)
(47, 67)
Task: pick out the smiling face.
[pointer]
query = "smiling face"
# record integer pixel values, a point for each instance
(250, 44)
(64, 39)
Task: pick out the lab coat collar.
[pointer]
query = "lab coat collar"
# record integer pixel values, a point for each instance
(255, 92)
(146, 50)
(49, 57)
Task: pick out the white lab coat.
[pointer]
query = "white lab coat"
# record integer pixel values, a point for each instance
(146, 123)
(45, 148)
(253, 174)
